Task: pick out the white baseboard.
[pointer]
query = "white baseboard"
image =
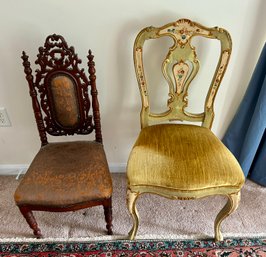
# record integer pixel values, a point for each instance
(117, 167)
(15, 169)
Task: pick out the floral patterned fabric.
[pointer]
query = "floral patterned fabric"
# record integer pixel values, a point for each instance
(140, 248)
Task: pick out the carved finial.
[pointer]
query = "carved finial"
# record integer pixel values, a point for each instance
(24, 56)
(90, 56)
(35, 103)
(91, 65)
(26, 64)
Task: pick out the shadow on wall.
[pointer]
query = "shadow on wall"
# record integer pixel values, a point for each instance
(154, 53)
(128, 107)
(256, 42)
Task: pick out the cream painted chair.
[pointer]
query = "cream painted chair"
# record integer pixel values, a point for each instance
(180, 161)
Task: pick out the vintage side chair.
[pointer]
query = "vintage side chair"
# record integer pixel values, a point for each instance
(181, 161)
(64, 176)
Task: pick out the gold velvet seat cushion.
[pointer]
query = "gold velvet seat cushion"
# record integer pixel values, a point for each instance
(182, 157)
(66, 173)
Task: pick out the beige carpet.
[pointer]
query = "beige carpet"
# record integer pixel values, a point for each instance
(160, 217)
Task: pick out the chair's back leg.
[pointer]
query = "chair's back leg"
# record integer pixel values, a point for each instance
(131, 205)
(230, 206)
(28, 215)
(107, 205)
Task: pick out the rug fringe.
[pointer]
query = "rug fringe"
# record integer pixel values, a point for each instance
(140, 237)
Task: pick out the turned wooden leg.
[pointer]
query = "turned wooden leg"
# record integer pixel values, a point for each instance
(131, 205)
(28, 215)
(107, 206)
(230, 206)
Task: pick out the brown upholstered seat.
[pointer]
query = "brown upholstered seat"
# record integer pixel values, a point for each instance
(63, 174)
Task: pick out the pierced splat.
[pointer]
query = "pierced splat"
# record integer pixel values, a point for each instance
(179, 68)
(62, 88)
(59, 91)
(61, 105)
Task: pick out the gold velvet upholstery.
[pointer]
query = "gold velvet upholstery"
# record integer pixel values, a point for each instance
(63, 174)
(180, 161)
(183, 158)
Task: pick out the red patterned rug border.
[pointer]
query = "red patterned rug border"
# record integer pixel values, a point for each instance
(123, 248)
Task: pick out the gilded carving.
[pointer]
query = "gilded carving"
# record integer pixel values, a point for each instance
(182, 62)
(183, 29)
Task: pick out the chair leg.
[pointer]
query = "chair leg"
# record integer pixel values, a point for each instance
(230, 206)
(131, 205)
(107, 206)
(28, 215)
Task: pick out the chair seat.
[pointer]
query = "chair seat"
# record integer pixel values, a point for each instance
(66, 173)
(182, 157)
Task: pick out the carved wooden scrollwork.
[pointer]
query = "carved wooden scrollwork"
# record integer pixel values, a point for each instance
(57, 59)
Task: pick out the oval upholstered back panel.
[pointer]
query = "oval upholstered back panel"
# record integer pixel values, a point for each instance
(64, 100)
(64, 103)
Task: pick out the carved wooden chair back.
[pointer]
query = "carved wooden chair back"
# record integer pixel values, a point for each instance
(179, 68)
(64, 176)
(60, 91)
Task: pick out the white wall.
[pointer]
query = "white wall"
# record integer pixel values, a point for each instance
(109, 29)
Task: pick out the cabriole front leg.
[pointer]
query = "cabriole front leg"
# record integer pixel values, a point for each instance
(131, 205)
(230, 206)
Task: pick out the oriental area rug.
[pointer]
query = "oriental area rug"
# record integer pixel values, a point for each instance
(140, 248)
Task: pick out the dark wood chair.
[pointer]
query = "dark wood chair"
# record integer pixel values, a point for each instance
(64, 176)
